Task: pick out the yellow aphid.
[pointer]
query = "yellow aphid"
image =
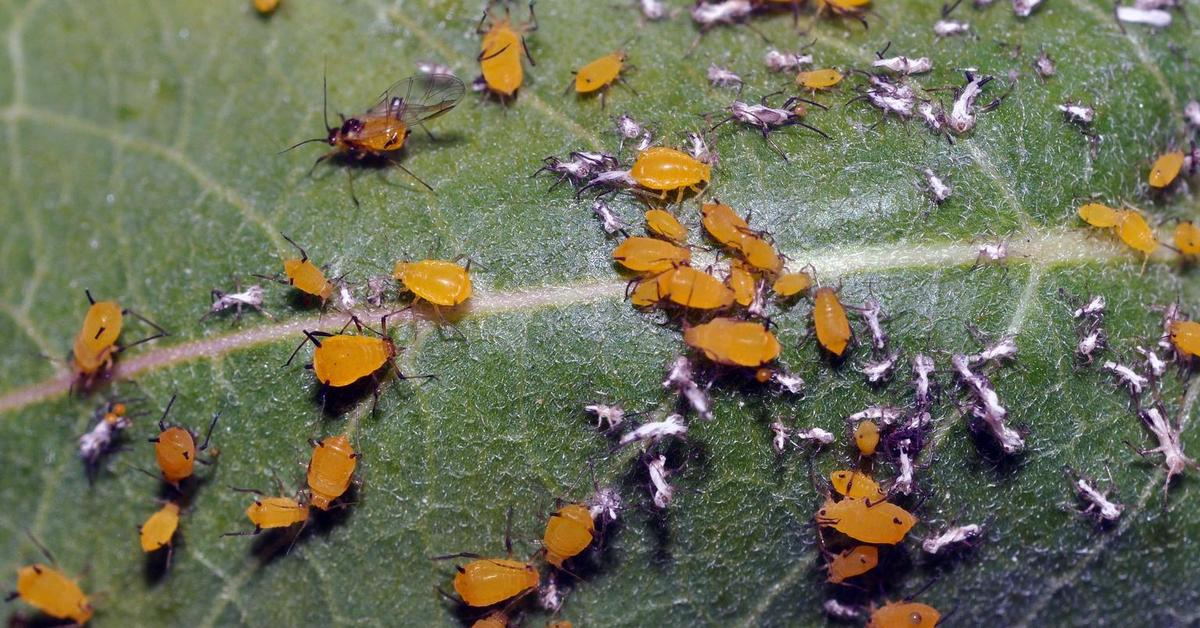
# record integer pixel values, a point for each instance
(1187, 239)
(742, 283)
(904, 615)
(646, 293)
(1166, 168)
(792, 284)
(723, 224)
(265, 7)
(665, 225)
(568, 532)
(830, 321)
(436, 281)
(823, 78)
(734, 342)
(488, 581)
(1185, 337)
(761, 255)
(1098, 215)
(855, 561)
(659, 170)
(650, 255)
(869, 522)
(160, 528)
(53, 593)
(694, 289)
(1136, 233)
(856, 484)
(866, 438)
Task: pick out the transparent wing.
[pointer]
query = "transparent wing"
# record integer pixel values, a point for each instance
(419, 98)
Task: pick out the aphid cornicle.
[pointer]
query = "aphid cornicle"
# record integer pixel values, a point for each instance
(500, 51)
(53, 593)
(330, 470)
(568, 532)
(383, 130)
(175, 448)
(439, 282)
(96, 345)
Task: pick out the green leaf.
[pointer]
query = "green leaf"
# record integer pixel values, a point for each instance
(140, 145)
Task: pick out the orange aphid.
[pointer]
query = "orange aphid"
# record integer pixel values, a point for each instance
(53, 593)
(734, 342)
(500, 52)
(1187, 238)
(760, 254)
(1166, 169)
(870, 522)
(568, 532)
(856, 484)
(866, 438)
(1098, 215)
(158, 530)
(1136, 233)
(791, 284)
(852, 562)
(659, 171)
(1185, 337)
(650, 255)
(330, 470)
(439, 282)
(723, 224)
(306, 276)
(823, 78)
(694, 289)
(175, 448)
(665, 225)
(488, 581)
(830, 321)
(904, 615)
(742, 283)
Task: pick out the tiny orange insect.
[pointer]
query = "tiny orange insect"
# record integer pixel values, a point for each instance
(51, 591)
(830, 321)
(904, 615)
(694, 289)
(330, 470)
(175, 448)
(489, 581)
(342, 359)
(274, 513)
(659, 171)
(600, 74)
(569, 531)
(1166, 169)
(824, 78)
(866, 438)
(439, 282)
(1099, 215)
(869, 522)
(665, 225)
(650, 255)
(302, 274)
(852, 562)
(159, 530)
(96, 346)
(500, 52)
(734, 342)
(1187, 239)
(1185, 337)
(382, 131)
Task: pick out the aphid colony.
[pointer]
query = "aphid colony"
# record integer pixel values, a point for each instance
(722, 306)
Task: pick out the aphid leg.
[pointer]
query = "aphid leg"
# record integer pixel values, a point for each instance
(533, 23)
(303, 253)
(767, 136)
(410, 173)
(161, 332)
(88, 294)
(255, 532)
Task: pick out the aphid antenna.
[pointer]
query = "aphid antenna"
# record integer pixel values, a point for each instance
(470, 555)
(208, 435)
(308, 335)
(162, 425)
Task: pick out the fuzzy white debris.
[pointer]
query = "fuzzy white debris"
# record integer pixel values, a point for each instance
(549, 597)
(698, 148)
(608, 218)
(346, 298)
(663, 492)
(950, 28)
(872, 313)
(993, 252)
(987, 407)
(933, 116)
(814, 436)
(896, 98)
(1004, 349)
(922, 368)
(580, 166)
(1091, 342)
(903, 484)
(904, 65)
(883, 415)
(655, 431)
(1079, 114)
(720, 77)
(1150, 17)
(843, 612)
(1044, 65)
(1170, 314)
(1132, 380)
(680, 378)
(938, 190)
(1191, 112)
(708, 15)
(377, 287)
(251, 297)
(1093, 309)
(1157, 366)
(790, 383)
(785, 61)
(1169, 444)
(758, 304)
(779, 438)
(607, 417)
(881, 370)
(97, 440)
(606, 504)
(433, 67)
(627, 127)
(962, 114)
(1024, 8)
(653, 10)
(1098, 503)
(935, 545)
(646, 140)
